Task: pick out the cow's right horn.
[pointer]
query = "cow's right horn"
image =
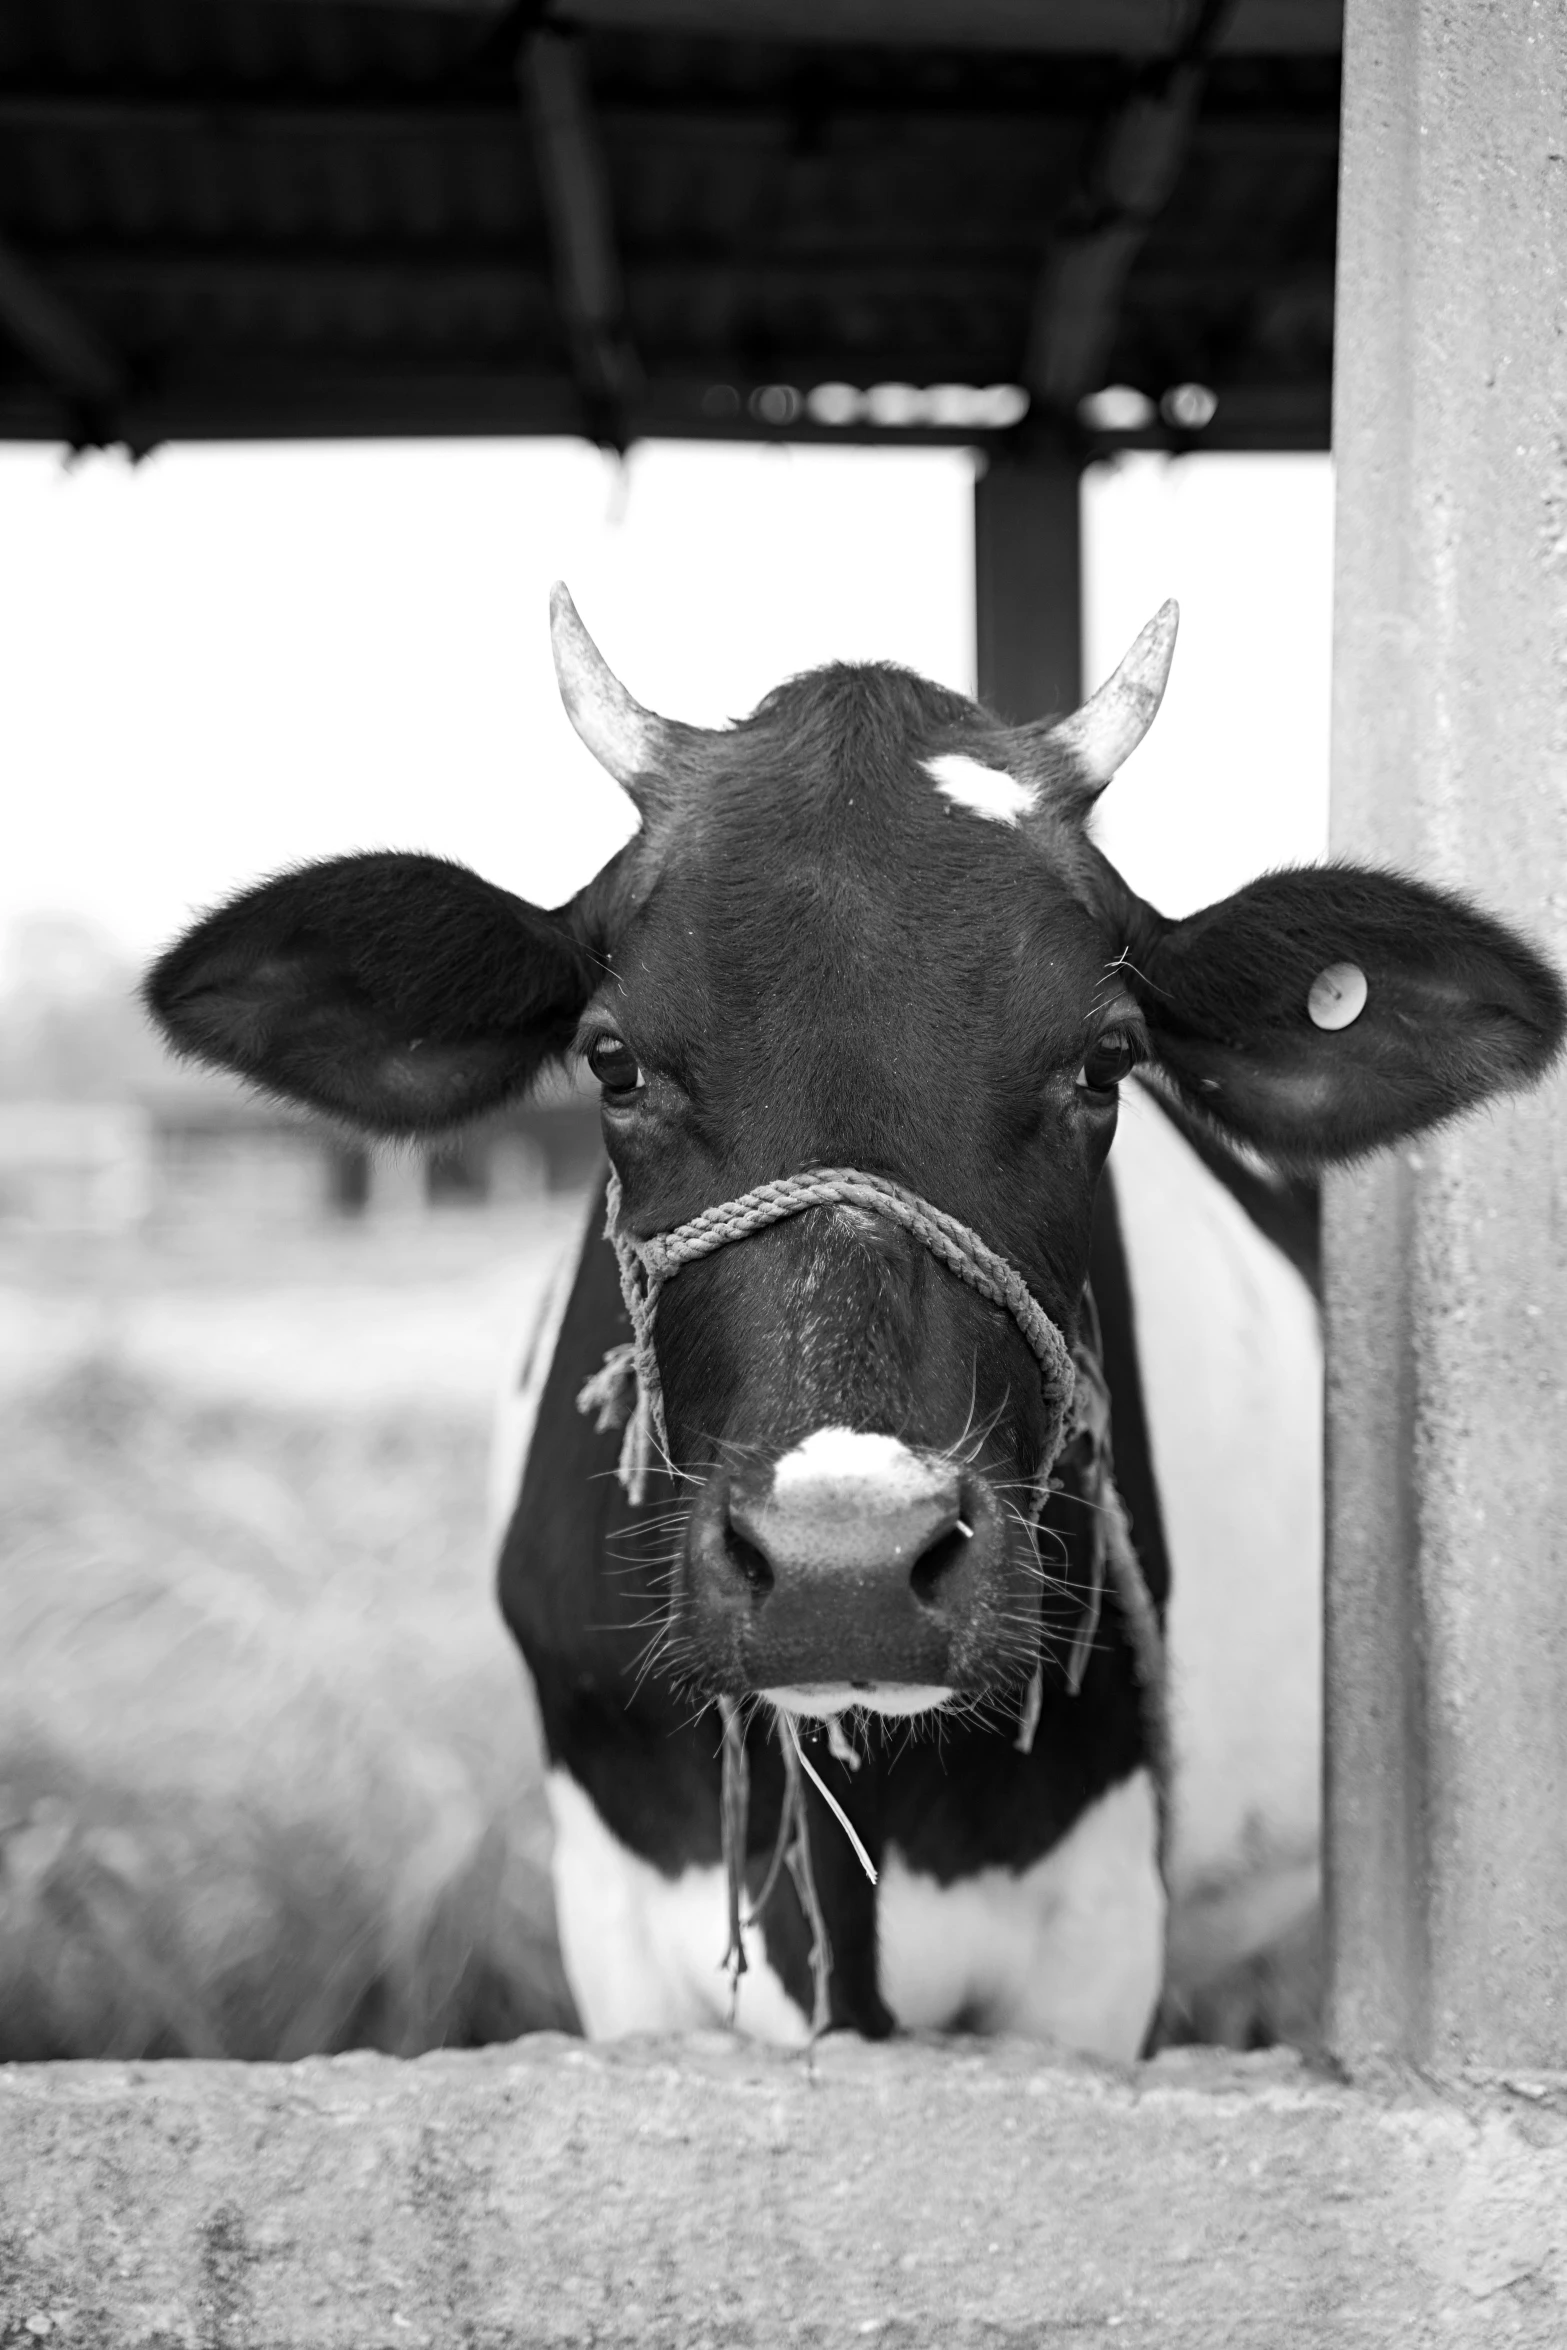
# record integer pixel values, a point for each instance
(625, 739)
(1112, 722)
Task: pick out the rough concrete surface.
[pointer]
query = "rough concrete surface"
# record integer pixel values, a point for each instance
(710, 2193)
(1446, 1665)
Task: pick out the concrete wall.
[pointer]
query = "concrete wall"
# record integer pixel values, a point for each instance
(1447, 1586)
(711, 2193)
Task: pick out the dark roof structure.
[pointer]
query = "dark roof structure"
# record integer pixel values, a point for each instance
(1110, 222)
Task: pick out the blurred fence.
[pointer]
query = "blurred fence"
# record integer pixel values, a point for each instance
(200, 1150)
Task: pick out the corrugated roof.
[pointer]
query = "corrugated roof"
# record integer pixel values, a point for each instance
(224, 217)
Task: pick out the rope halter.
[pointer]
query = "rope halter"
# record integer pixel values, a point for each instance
(627, 1392)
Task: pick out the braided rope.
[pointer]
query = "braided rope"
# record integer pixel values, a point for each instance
(647, 1265)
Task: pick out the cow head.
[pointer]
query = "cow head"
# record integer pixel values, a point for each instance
(865, 927)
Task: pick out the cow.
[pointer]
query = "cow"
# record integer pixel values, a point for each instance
(923, 1611)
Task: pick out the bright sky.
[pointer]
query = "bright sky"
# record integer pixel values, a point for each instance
(229, 659)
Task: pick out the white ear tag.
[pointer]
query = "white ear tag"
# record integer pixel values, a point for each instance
(1338, 995)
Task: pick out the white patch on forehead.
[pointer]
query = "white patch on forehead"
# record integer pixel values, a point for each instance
(986, 791)
(817, 1701)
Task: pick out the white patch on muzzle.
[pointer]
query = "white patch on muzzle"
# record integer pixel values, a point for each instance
(846, 1467)
(851, 1479)
(986, 791)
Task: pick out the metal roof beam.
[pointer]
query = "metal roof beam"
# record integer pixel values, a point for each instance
(686, 273)
(81, 368)
(1078, 306)
(1286, 134)
(1131, 178)
(575, 187)
(395, 396)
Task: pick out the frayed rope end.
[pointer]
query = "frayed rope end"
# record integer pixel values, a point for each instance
(619, 1399)
(612, 1390)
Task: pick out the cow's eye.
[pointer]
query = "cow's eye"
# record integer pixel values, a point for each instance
(1106, 1063)
(614, 1064)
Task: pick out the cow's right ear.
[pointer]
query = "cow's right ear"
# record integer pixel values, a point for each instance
(402, 993)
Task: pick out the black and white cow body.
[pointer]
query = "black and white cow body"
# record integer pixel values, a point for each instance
(1016, 1891)
(868, 929)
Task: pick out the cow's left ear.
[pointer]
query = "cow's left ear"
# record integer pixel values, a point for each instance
(402, 993)
(1320, 1013)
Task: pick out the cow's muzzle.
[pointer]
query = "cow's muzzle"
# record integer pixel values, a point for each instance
(854, 1562)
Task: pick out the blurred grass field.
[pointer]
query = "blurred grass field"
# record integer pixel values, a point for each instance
(269, 1773)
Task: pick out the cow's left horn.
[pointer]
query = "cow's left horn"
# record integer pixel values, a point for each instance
(1111, 723)
(624, 738)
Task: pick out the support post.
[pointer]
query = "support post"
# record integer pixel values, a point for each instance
(1446, 1649)
(1028, 595)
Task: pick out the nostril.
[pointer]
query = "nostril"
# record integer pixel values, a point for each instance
(748, 1561)
(729, 1568)
(933, 1566)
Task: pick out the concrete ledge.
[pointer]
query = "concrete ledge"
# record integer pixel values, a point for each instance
(708, 2193)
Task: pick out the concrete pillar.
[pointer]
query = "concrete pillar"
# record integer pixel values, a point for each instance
(1447, 1261)
(1028, 597)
